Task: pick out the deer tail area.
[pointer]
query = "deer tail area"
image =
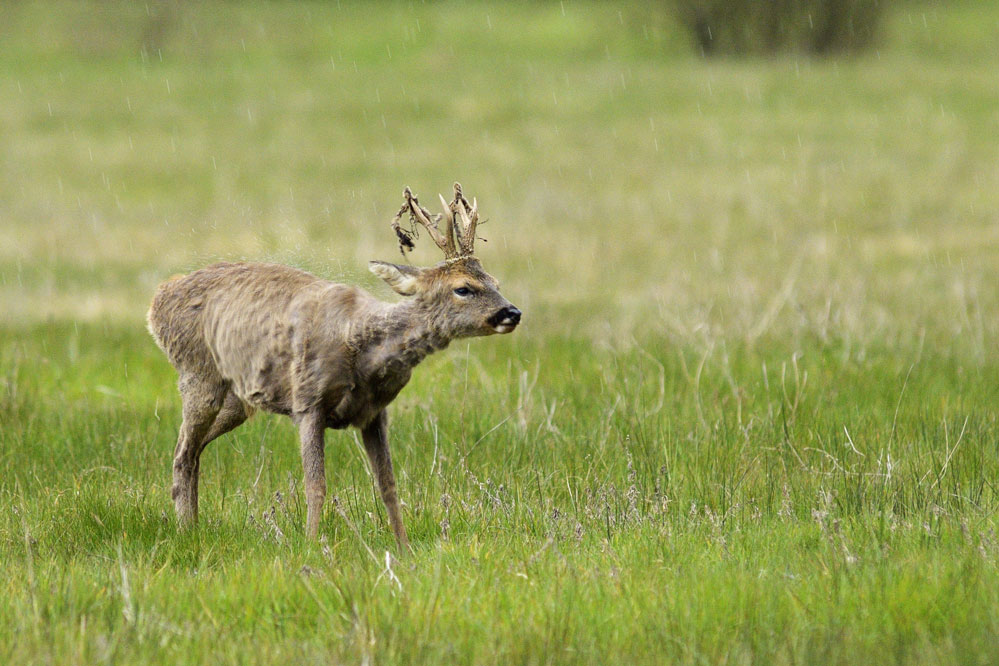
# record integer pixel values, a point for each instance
(161, 317)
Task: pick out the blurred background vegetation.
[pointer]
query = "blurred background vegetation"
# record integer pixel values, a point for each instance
(147, 138)
(820, 27)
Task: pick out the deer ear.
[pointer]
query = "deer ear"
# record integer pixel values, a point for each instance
(403, 279)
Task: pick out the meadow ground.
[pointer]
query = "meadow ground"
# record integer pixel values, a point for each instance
(751, 415)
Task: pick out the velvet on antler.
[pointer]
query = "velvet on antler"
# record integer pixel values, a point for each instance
(457, 239)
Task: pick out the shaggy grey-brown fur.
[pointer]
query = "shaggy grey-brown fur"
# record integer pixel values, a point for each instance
(248, 336)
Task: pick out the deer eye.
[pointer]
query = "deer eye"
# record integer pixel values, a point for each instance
(463, 291)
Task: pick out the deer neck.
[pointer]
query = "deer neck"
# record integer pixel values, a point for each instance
(412, 334)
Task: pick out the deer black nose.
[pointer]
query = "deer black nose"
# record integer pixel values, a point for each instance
(508, 316)
(512, 313)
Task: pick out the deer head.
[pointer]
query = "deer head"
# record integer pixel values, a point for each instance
(460, 298)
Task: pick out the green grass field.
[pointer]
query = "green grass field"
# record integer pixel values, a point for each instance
(750, 417)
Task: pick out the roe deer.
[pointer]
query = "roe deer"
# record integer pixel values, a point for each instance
(249, 336)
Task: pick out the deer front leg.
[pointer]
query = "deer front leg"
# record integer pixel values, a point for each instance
(311, 432)
(375, 436)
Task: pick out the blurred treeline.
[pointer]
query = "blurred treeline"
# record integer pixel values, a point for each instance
(819, 27)
(712, 27)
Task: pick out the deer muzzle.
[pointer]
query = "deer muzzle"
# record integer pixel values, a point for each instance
(505, 320)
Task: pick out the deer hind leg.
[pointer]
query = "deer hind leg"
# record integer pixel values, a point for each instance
(202, 400)
(232, 415)
(312, 435)
(375, 436)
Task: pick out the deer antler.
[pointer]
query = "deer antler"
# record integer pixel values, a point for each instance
(469, 216)
(419, 214)
(457, 240)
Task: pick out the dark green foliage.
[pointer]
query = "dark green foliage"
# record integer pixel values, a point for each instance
(820, 27)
